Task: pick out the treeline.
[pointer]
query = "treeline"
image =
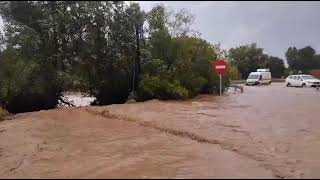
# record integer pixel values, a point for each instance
(108, 49)
(249, 58)
(302, 60)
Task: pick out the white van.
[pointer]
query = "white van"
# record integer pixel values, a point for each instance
(262, 76)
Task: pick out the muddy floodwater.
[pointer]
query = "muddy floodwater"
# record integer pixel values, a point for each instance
(267, 132)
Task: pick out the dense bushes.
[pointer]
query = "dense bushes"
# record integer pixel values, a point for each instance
(27, 84)
(114, 90)
(107, 49)
(161, 88)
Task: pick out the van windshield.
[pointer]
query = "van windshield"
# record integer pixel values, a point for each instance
(253, 76)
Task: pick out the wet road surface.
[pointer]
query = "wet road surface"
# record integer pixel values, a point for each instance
(266, 132)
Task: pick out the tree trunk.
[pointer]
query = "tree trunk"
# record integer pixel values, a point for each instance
(137, 61)
(55, 37)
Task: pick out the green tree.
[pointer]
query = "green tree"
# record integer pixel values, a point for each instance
(32, 36)
(276, 66)
(137, 18)
(303, 59)
(249, 58)
(122, 61)
(233, 72)
(185, 60)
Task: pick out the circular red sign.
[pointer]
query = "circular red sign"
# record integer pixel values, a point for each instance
(220, 67)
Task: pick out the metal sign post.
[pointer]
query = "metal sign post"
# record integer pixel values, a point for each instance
(220, 76)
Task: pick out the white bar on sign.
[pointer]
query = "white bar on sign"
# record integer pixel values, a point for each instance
(221, 67)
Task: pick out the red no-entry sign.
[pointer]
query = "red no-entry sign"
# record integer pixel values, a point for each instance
(220, 67)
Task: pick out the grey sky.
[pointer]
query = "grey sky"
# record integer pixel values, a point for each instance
(274, 26)
(1, 25)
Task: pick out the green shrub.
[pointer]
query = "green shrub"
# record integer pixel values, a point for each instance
(3, 113)
(161, 88)
(26, 84)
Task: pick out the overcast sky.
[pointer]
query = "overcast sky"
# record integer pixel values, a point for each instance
(274, 26)
(1, 25)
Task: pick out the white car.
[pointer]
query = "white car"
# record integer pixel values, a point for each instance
(302, 80)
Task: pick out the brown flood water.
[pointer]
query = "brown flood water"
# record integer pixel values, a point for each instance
(266, 132)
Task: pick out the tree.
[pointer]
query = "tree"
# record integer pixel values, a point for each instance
(159, 39)
(180, 23)
(32, 36)
(249, 58)
(178, 65)
(123, 44)
(292, 57)
(233, 72)
(137, 17)
(303, 59)
(276, 66)
(184, 60)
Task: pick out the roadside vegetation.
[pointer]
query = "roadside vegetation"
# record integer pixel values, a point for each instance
(109, 50)
(3, 113)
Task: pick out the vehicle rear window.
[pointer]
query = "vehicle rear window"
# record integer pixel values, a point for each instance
(308, 77)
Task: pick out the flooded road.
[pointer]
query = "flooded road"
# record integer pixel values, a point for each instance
(274, 125)
(266, 132)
